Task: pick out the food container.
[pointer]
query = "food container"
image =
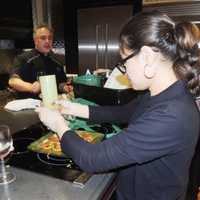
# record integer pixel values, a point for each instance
(49, 144)
(88, 79)
(103, 96)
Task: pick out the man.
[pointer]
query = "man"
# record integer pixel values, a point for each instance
(40, 61)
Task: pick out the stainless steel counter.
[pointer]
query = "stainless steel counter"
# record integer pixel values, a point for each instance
(33, 186)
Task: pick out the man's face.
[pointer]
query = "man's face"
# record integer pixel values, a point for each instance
(43, 40)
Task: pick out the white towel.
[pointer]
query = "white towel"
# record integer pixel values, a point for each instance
(21, 104)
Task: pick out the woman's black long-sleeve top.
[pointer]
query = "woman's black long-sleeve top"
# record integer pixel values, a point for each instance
(153, 153)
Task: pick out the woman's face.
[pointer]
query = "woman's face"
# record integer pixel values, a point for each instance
(135, 68)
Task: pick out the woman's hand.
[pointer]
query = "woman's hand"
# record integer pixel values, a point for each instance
(65, 107)
(53, 120)
(75, 109)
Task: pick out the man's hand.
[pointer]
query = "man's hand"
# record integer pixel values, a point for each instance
(36, 87)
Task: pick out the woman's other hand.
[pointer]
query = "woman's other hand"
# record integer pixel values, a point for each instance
(74, 109)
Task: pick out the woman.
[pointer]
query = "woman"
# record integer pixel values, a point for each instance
(154, 152)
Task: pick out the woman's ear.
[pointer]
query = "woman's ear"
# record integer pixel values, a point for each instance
(148, 56)
(149, 71)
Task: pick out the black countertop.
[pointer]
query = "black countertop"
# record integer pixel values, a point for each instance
(20, 120)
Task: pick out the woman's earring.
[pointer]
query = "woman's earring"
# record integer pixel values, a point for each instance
(149, 71)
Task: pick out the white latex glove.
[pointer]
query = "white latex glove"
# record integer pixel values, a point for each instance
(75, 109)
(53, 120)
(66, 107)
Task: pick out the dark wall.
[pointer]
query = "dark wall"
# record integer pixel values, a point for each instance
(137, 6)
(98, 3)
(16, 22)
(70, 36)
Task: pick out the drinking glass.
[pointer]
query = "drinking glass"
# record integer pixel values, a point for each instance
(6, 146)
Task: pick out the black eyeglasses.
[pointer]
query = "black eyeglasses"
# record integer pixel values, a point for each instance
(120, 66)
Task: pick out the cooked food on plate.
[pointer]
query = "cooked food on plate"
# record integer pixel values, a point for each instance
(50, 144)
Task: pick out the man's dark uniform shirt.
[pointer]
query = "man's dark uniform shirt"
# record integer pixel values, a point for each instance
(30, 65)
(153, 153)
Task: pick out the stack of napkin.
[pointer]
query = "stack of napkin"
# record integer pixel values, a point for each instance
(21, 104)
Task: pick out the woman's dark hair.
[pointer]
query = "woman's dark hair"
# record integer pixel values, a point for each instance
(177, 42)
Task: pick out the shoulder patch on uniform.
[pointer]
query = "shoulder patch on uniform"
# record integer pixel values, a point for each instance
(33, 58)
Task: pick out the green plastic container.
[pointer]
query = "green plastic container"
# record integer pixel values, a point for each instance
(90, 79)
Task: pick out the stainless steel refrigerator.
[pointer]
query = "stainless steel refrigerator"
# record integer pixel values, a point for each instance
(98, 31)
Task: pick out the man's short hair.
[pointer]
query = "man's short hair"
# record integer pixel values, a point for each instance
(42, 26)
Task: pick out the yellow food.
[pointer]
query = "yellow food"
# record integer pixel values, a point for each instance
(57, 147)
(51, 144)
(86, 136)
